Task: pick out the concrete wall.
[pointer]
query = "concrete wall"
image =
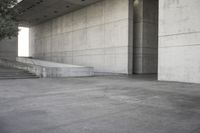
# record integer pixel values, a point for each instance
(145, 36)
(99, 36)
(9, 48)
(179, 40)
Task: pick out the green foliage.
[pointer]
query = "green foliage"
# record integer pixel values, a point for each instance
(8, 21)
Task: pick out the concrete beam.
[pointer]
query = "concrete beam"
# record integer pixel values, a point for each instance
(33, 12)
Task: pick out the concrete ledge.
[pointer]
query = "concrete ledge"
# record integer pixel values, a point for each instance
(48, 69)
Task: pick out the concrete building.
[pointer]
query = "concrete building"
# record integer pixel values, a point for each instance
(117, 36)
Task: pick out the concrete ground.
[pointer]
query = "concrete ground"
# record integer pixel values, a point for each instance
(110, 104)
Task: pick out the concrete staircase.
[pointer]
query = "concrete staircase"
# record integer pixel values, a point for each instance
(13, 73)
(46, 69)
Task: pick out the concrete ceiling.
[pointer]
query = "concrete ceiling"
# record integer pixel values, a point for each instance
(32, 12)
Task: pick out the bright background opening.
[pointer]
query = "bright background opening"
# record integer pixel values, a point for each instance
(23, 42)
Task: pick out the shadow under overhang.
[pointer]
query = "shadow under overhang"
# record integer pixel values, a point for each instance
(33, 12)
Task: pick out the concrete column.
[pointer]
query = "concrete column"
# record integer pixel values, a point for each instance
(145, 36)
(9, 48)
(179, 39)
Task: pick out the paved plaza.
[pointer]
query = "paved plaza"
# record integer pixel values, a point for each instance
(104, 104)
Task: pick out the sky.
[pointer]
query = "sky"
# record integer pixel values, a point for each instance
(23, 42)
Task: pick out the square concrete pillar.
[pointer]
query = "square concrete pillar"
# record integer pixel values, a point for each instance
(179, 39)
(145, 44)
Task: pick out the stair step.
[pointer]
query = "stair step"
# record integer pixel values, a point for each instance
(14, 72)
(18, 78)
(3, 71)
(16, 75)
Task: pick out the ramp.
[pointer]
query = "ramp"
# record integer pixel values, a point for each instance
(48, 69)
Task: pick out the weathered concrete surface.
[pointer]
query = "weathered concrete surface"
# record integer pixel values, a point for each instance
(96, 36)
(179, 40)
(99, 105)
(9, 48)
(145, 44)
